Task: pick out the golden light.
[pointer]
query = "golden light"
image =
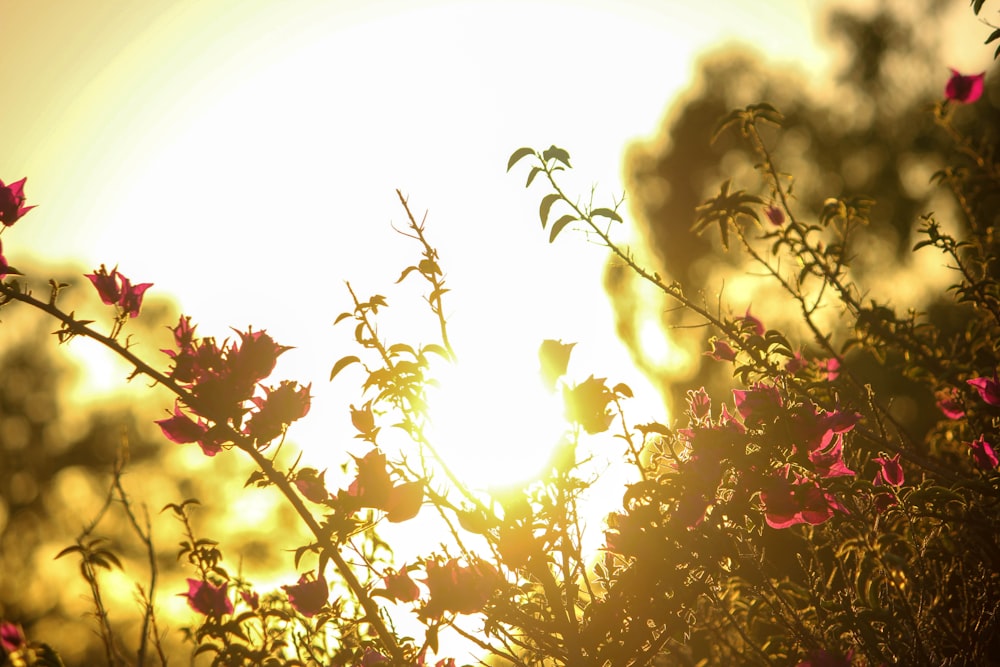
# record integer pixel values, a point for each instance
(494, 422)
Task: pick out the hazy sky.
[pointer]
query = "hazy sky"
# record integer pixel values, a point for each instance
(243, 155)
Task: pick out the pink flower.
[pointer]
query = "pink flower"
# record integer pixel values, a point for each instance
(106, 284)
(312, 485)
(759, 404)
(280, 407)
(823, 658)
(12, 206)
(181, 429)
(721, 351)
(401, 587)
(11, 638)
(309, 595)
(891, 472)
(832, 367)
(775, 215)
(983, 454)
(462, 590)
(949, 401)
(207, 598)
(114, 288)
(799, 500)
(131, 299)
(989, 390)
(830, 462)
(964, 88)
(4, 266)
(750, 322)
(252, 599)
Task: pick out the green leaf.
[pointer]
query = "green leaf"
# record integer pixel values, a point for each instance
(546, 206)
(519, 155)
(342, 364)
(556, 153)
(606, 213)
(558, 226)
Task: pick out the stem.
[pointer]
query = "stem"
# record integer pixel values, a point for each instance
(273, 475)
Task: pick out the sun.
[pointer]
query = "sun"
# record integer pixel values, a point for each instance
(494, 424)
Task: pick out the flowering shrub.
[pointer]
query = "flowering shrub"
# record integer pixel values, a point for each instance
(793, 521)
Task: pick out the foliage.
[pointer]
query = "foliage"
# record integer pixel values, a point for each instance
(800, 523)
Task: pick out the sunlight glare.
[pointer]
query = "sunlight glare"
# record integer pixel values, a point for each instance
(495, 425)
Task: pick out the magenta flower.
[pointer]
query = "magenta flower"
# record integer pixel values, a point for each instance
(5, 268)
(949, 401)
(251, 598)
(964, 88)
(11, 638)
(989, 390)
(12, 206)
(823, 658)
(891, 472)
(131, 299)
(721, 351)
(400, 587)
(832, 367)
(311, 484)
(775, 215)
(207, 598)
(114, 288)
(983, 453)
(750, 322)
(106, 284)
(830, 462)
(280, 407)
(181, 429)
(309, 595)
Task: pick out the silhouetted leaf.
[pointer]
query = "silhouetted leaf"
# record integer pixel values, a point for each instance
(558, 226)
(531, 175)
(342, 364)
(546, 206)
(518, 155)
(606, 213)
(557, 154)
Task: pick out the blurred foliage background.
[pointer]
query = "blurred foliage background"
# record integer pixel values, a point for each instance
(869, 133)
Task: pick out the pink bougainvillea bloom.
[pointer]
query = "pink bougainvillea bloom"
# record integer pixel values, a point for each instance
(964, 88)
(400, 587)
(309, 595)
(823, 658)
(462, 590)
(761, 403)
(721, 351)
(4, 266)
(131, 299)
(949, 402)
(983, 453)
(11, 638)
(989, 389)
(775, 215)
(12, 206)
(404, 502)
(372, 658)
(181, 429)
(750, 322)
(207, 598)
(891, 472)
(251, 598)
(830, 462)
(106, 284)
(799, 500)
(312, 485)
(832, 368)
(280, 407)
(795, 363)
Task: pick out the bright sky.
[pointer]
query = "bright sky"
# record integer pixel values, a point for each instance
(243, 156)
